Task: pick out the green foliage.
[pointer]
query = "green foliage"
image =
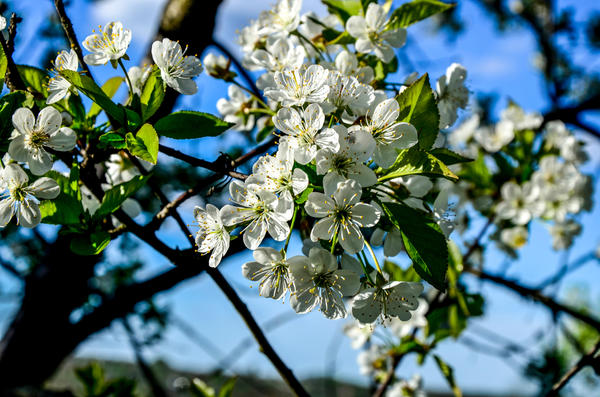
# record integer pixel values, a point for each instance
(114, 197)
(152, 94)
(424, 242)
(90, 244)
(110, 88)
(201, 389)
(414, 161)
(8, 104)
(416, 11)
(344, 8)
(418, 107)
(113, 139)
(3, 64)
(90, 89)
(449, 157)
(35, 79)
(95, 384)
(191, 125)
(264, 133)
(448, 374)
(145, 143)
(66, 209)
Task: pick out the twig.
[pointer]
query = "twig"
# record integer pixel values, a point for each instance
(70, 33)
(588, 359)
(217, 166)
(12, 32)
(12, 78)
(565, 269)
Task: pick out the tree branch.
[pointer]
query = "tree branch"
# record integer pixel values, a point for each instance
(220, 167)
(70, 33)
(588, 359)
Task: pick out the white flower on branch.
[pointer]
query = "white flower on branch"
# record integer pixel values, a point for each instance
(452, 94)
(236, 109)
(21, 199)
(388, 133)
(519, 204)
(373, 34)
(520, 119)
(563, 233)
(317, 281)
(355, 147)
(271, 270)
(138, 77)
(262, 210)
(342, 215)
(295, 87)
(283, 18)
(176, 68)
(30, 138)
(347, 64)
(402, 328)
(495, 137)
(347, 93)
(303, 130)
(110, 44)
(394, 299)
(212, 237)
(58, 86)
(514, 237)
(276, 173)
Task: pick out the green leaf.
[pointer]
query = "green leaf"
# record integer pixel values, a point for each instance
(8, 104)
(76, 108)
(227, 388)
(153, 94)
(190, 125)
(66, 209)
(344, 8)
(201, 389)
(3, 64)
(91, 244)
(448, 373)
(449, 157)
(414, 161)
(114, 197)
(382, 69)
(35, 79)
(424, 241)
(416, 11)
(418, 107)
(110, 88)
(145, 144)
(301, 199)
(333, 36)
(90, 89)
(114, 140)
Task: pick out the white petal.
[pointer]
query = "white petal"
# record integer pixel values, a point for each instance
(45, 188)
(62, 140)
(23, 120)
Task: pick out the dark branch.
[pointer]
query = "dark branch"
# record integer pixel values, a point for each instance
(588, 359)
(70, 33)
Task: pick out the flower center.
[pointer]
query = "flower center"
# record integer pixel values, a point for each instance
(323, 280)
(342, 165)
(37, 139)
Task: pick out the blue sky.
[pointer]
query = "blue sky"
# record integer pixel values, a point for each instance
(500, 64)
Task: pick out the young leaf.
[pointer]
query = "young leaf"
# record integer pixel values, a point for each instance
(448, 373)
(3, 64)
(145, 144)
(414, 161)
(449, 157)
(424, 242)
(227, 388)
(344, 8)
(35, 79)
(190, 125)
(92, 244)
(110, 88)
(152, 95)
(114, 197)
(417, 10)
(90, 89)
(418, 107)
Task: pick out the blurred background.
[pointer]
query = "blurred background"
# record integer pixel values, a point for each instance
(192, 330)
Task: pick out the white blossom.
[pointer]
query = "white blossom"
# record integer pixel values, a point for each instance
(138, 76)
(358, 333)
(347, 64)
(283, 18)
(347, 93)
(294, 87)
(303, 130)
(342, 214)
(373, 34)
(271, 270)
(402, 328)
(520, 119)
(404, 388)
(452, 94)
(176, 69)
(279, 54)
(394, 299)
(216, 65)
(276, 173)
(110, 44)
(262, 210)
(236, 109)
(355, 148)
(514, 237)
(441, 215)
(494, 138)
(317, 281)
(58, 86)
(212, 237)
(21, 199)
(519, 203)
(563, 233)
(31, 136)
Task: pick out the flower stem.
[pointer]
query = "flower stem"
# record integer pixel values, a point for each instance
(365, 270)
(374, 257)
(253, 95)
(120, 61)
(334, 241)
(287, 240)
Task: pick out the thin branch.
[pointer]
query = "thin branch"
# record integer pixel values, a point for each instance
(217, 166)
(588, 359)
(536, 295)
(565, 269)
(70, 33)
(12, 78)
(12, 33)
